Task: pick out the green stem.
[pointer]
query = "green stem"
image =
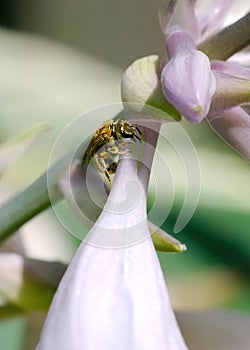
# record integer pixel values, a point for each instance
(31, 201)
(229, 41)
(9, 311)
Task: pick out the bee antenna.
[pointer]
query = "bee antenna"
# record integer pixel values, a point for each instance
(139, 131)
(137, 137)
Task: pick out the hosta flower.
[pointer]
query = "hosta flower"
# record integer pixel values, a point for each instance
(113, 295)
(198, 88)
(187, 80)
(233, 126)
(232, 123)
(116, 298)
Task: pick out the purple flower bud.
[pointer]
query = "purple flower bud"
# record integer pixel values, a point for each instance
(187, 80)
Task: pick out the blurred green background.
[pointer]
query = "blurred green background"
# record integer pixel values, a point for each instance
(59, 59)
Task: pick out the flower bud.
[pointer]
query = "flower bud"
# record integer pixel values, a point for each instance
(187, 80)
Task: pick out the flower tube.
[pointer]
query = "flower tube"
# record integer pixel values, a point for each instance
(113, 295)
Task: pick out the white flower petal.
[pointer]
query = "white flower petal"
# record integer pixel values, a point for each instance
(112, 299)
(113, 296)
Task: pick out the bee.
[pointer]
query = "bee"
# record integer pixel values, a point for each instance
(108, 143)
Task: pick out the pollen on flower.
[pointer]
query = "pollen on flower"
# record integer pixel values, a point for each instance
(198, 109)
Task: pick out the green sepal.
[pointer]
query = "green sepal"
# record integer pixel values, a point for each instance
(165, 242)
(141, 90)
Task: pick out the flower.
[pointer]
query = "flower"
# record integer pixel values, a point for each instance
(232, 123)
(113, 294)
(187, 80)
(198, 89)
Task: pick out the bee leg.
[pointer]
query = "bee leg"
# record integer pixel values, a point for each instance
(100, 164)
(112, 168)
(124, 147)
(113, 149)
(108, 177)
(110, 171)
(117, 149)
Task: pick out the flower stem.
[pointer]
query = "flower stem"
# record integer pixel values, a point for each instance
(229, 41)
(169, 13)
(31, 201)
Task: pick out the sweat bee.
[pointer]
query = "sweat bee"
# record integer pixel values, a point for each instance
(107, 143)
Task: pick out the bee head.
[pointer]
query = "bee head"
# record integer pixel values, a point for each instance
(128, 130)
